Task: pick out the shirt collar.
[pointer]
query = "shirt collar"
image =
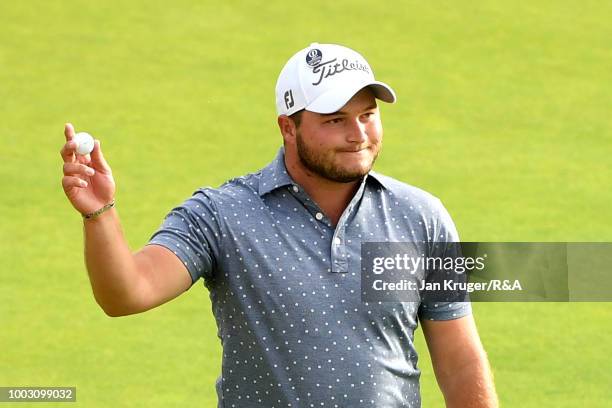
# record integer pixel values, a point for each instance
(275, 175)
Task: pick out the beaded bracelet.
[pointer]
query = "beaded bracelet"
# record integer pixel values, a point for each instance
(100, 211)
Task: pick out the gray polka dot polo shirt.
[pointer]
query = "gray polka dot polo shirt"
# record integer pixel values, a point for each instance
(285, 289)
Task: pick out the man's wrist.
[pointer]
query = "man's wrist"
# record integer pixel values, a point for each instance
(99, 212)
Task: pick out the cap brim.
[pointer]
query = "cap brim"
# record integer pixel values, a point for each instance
(334, 99)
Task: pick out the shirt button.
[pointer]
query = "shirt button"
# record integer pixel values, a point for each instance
(296, 189)
(319, 216)
(337, 241)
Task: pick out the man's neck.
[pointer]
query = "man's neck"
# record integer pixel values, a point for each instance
(331, 196)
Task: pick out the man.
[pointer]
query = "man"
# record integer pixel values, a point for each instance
(279, 251)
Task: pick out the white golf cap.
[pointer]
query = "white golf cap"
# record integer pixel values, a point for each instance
(322, 78)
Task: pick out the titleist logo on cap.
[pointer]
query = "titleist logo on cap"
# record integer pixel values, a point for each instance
(331, 67)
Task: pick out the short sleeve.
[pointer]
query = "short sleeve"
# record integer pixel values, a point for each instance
(444, 231)
(192, 232)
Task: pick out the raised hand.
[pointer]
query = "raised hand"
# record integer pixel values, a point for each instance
(88, 181)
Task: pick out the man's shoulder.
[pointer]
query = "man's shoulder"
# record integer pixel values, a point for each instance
(419, 204)
(254, 184)
(406, 192)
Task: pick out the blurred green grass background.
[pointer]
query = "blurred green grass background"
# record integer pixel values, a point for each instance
(503, 112)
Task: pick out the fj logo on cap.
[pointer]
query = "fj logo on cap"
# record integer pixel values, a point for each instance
(313, 57)
(289, 99)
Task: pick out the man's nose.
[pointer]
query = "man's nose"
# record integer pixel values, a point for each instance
(356, 133)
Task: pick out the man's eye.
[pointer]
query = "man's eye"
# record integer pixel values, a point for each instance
(335, 120)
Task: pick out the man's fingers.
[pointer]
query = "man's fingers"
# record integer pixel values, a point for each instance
(97, 158)
(73, 181)
(85, 159)
(68, 131)
(68, 152)
(71, 169)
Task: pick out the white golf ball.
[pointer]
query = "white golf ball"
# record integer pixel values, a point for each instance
(85, 143)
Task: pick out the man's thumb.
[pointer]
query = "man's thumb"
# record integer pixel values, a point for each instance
(97, 158)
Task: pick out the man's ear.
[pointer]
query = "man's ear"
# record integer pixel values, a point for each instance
(287, 127)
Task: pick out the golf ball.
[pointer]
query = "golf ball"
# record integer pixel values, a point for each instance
(85, 143)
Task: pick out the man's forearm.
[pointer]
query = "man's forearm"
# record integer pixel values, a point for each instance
(471, 386)
(110, 263)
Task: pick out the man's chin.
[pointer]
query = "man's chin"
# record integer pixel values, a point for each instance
(348, 175)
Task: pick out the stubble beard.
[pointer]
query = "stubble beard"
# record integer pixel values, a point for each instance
(326, 168)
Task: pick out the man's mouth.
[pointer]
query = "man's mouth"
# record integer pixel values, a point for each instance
(353, 150)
